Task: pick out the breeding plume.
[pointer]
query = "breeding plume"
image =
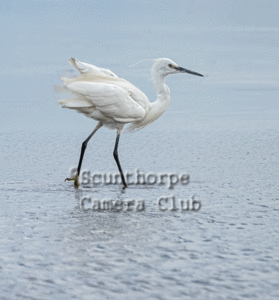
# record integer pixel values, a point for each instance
(114, 102)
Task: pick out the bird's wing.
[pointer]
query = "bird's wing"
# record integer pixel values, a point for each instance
(111, 100)
(90, 69)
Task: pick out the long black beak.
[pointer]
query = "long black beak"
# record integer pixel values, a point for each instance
(188, 71)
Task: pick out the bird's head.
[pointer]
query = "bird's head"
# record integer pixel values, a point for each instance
(165, 66)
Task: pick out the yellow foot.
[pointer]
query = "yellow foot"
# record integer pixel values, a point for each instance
(75, 179)
(124, 187)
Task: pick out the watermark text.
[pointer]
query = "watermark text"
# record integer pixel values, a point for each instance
(133, 178)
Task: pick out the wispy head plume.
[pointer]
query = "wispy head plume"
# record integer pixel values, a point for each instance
(141, 61)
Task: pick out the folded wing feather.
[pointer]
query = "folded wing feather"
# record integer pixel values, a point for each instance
(85, 68)
(111, 100)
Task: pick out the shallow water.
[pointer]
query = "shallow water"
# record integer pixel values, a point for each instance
(222, 130)
(52, 248)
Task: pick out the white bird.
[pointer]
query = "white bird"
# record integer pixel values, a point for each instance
(115, 102)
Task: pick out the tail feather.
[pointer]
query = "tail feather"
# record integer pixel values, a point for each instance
(75, 103)
(60, 89)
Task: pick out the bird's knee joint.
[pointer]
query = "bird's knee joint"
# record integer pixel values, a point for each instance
(84, 145)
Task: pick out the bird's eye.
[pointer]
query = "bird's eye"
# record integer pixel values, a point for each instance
(170, 65)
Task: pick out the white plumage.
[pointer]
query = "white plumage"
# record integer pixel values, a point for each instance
(113, 102)
(103, 96)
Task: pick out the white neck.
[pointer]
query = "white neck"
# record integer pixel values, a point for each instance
(163, 95)
(159, 106)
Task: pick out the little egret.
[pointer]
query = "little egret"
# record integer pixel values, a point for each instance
(114, 102)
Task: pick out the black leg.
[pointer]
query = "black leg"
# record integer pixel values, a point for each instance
(83, 147)
(115, 155)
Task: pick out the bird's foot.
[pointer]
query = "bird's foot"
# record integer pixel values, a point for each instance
(124, 186)
(75, 179)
